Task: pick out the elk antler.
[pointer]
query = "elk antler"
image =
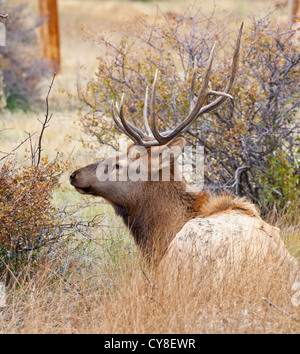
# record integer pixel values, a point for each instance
(152, 136)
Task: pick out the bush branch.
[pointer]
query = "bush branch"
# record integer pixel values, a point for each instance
(44, 124)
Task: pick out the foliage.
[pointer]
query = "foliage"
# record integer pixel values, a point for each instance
(282, 179)
(22, 67)
(243, 137)
(30, 225)
(27, 216)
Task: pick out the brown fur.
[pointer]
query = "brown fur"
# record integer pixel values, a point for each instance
(207, 204)
(156, 211)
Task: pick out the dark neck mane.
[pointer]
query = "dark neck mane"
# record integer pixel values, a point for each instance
(154, 221)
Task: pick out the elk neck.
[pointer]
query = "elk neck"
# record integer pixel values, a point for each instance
(158, 214)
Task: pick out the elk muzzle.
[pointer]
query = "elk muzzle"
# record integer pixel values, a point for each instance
(72, 177)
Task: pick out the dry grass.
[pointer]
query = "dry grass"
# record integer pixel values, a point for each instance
(105, 287)
(115, 293)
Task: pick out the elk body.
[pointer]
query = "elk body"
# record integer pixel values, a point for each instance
(170, 224)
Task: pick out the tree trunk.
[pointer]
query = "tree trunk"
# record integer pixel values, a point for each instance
(293, 10)
(50, 32)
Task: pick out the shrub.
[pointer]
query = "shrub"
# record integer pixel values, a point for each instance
(31, 226)
(244, 137)
(22, 67)
(27, 216)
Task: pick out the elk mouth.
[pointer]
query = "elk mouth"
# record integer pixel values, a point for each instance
(86, 190)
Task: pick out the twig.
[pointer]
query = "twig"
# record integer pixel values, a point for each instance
(16, 148)
(148, 280)
(44, 124)
(154, 25)
(3, 130)
(31, 147)
(270, 303)
(62, 277)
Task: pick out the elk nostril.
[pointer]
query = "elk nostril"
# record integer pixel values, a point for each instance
(72, 177)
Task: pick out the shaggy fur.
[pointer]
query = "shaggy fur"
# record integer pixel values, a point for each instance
(207, 204)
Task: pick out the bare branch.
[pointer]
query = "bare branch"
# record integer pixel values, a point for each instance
(44, 124)
(16, 148)
(270, 303)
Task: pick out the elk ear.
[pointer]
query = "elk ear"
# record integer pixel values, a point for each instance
(174, 147)
(170, 152)
(164, 156)
(179, 141)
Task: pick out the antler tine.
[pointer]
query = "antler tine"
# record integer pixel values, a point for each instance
(157, 136)
(234, 67)
(192, 89)
(116, 120)
(130, 126)
(132, 131)
(145, 115)
(199, 103)
(127, 129)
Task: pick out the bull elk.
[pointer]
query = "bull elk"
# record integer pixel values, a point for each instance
(165, 219)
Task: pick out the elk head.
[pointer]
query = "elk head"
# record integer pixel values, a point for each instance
(129, 196)
(119, 178)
